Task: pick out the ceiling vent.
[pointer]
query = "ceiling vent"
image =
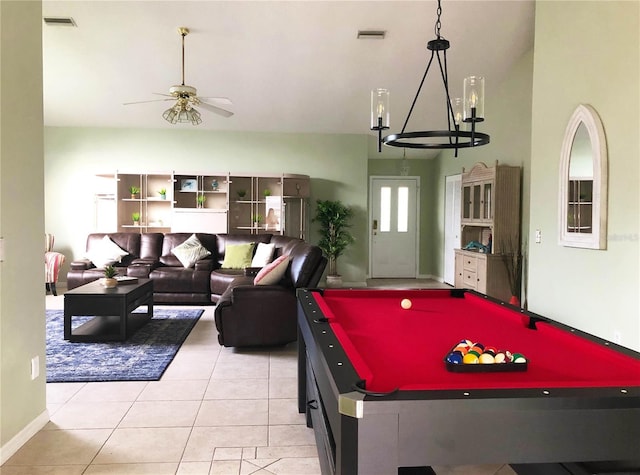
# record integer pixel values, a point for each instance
(371, 34)
(59, 21)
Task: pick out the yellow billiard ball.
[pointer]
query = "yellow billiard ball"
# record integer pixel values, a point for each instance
(406, 304)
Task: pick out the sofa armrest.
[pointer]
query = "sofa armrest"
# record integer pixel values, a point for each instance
(81, 264)
(204, 265)
(141, 269)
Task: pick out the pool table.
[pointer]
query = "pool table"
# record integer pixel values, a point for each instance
(375, 386)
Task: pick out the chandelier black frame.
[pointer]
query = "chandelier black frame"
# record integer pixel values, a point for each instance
(453, 137)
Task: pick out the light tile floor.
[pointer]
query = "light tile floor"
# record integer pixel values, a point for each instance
(216, 411)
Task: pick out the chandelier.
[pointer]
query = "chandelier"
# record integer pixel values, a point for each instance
(469, 109)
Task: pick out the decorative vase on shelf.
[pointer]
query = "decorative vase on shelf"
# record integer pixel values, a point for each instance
(214, 185)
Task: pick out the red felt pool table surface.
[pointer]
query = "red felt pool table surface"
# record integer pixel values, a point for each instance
(392, 348)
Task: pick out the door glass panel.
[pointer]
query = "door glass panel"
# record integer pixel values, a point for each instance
(385, 209)
(487, 201)
(476, 202)
(403, 209)
(466, 202)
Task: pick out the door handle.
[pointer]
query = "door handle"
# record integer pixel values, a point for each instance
(375, 225)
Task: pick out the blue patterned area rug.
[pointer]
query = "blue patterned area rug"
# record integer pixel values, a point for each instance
(143, 357)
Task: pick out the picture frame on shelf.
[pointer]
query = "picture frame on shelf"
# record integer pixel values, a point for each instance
(273, 219)
(188, 184)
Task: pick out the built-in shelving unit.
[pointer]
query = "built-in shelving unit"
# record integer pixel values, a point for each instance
(204, 202)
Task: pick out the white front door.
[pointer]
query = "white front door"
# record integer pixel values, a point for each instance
(393, 225)
(453, 192)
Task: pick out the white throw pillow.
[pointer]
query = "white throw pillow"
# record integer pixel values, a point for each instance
(106, 253)
(263, 255)
(190, 251)
(272, 273)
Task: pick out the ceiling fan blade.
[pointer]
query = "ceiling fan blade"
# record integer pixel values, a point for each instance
(223, 101)
(144, 102)
(216, 110)
(161, 94)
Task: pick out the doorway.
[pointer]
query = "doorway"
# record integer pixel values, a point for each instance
(393, 226)
(453, 190)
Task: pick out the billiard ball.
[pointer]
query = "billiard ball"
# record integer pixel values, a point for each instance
(470, 358)
(519, 358)
(455, 357)
(406, 304)
(486, 358)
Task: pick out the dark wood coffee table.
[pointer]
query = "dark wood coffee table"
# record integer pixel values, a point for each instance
(112, 309)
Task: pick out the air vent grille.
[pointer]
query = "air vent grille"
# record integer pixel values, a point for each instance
(59, 21)
(371, 34)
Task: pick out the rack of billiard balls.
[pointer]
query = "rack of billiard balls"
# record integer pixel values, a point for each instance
(467, 356)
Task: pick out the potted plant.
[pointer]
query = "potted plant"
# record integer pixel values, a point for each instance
(200, 199)
(267, 192)
(109, 280)
(134, 190)
(163, 193)
(136, 218)
(241, 193)
(333, 218)
(257, 218)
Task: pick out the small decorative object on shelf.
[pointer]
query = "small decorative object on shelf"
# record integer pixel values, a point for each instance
(136, 218)
(200, 199)
(267, 192)
(109, 280)
(214, 185)
(257, 219)
(134, 190)
(163, 193)
(241, 193)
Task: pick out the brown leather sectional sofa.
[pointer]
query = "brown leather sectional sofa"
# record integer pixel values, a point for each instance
(246, 314)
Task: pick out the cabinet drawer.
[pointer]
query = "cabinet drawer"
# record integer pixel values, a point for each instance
(470, 263)
(470, 279)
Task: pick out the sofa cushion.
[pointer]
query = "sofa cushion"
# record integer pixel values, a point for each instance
(263, 255)
(190, 251)
(272, 273)
(238, 256)
(106, 253)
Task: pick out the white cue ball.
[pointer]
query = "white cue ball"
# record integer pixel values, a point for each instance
(406, 304)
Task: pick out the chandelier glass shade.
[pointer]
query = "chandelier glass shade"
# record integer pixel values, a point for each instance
(182, 113)
(469, 109)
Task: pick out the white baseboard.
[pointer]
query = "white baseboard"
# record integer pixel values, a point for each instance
(21, 438)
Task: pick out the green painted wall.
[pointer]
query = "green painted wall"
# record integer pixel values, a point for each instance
(587, 52)
(22, 323)
(336, 163)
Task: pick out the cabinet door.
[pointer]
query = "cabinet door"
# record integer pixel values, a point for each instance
(466, 202)
(481, 276)
(487, 199)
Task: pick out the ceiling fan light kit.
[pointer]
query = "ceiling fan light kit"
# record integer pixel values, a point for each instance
(186, 97)
(469, 109)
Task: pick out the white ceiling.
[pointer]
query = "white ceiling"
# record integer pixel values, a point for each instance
(288, 66)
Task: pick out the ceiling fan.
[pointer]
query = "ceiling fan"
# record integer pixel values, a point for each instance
(186, 98)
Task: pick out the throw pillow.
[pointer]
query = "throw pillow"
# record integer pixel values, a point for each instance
(263, 255)
(238, 256)
(106, 253)
(190, 251)
(272, 273)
